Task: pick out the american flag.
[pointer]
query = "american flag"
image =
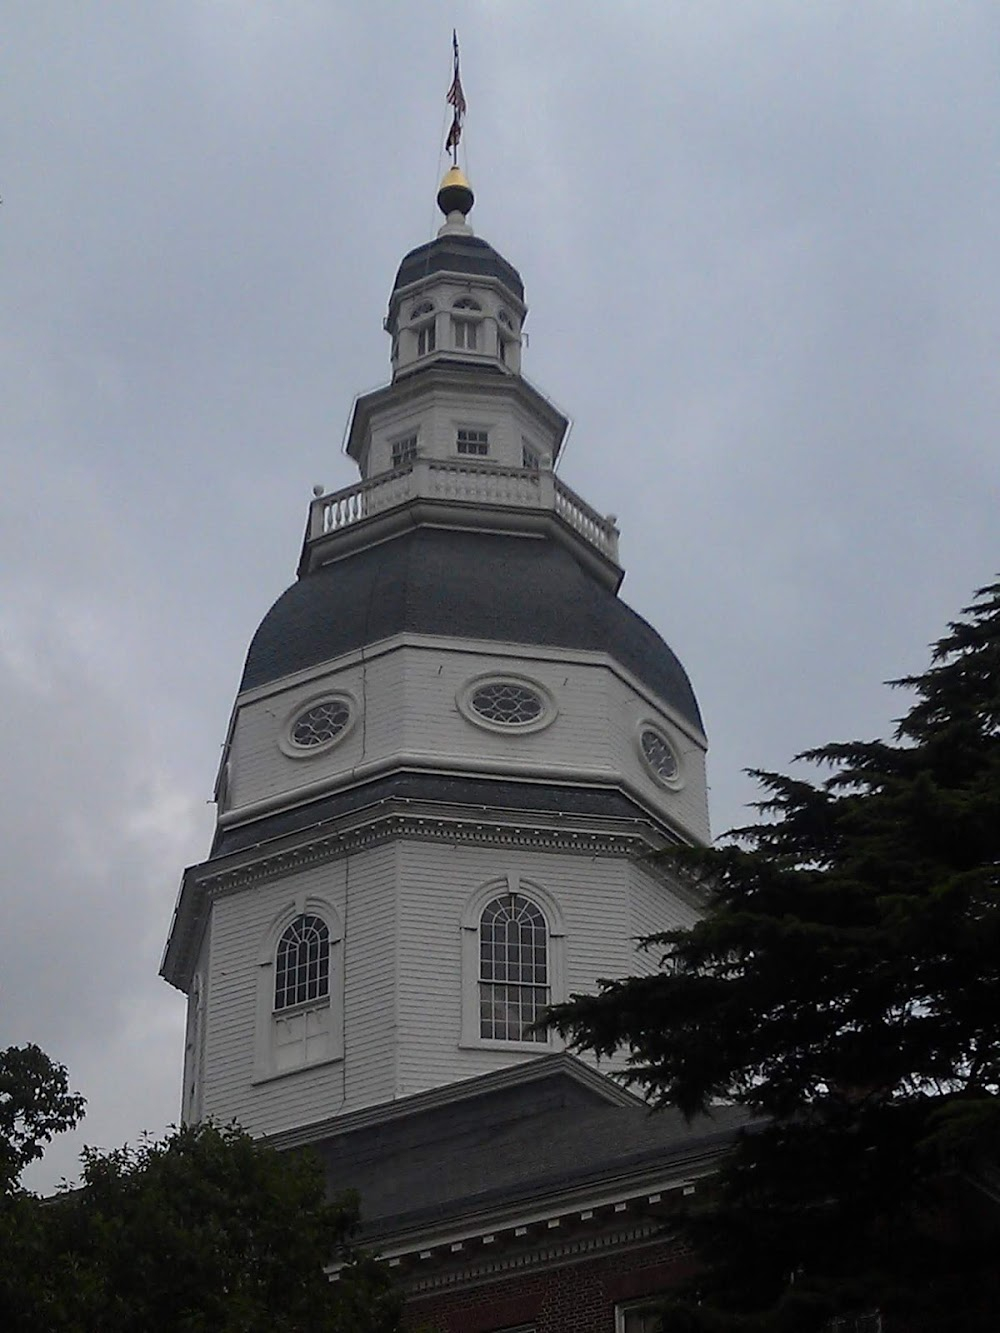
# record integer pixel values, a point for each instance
(456, 99)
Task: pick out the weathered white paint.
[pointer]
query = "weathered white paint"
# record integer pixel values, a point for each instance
(403, 912)
(653, 908)
(442, 291)
(409, 714)
(434, 412)
(408, 973)
(193, 1090)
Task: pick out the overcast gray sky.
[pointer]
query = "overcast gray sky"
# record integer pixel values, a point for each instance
(759, 240)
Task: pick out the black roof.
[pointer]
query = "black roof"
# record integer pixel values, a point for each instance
(481, 585)
(457, 254)
(512, 1145)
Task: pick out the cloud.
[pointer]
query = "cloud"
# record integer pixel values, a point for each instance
(759, 249)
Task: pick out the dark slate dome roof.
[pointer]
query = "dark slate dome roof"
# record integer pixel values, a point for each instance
(479, 585)
(457, 254)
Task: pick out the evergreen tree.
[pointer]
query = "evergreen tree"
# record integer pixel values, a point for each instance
(844, 987)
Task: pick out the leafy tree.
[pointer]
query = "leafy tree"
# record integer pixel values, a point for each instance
(844, 988)
(204, 1231)
(35, 1104)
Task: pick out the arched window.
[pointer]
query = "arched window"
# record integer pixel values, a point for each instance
(300, 989)
(513, 969)
(467, 303)
(422, 308)
(302, 963)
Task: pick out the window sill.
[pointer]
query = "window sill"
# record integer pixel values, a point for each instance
(299, 1069)
(525, 1047)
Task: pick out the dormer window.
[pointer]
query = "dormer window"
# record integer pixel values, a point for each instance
(476, 442)
(466, 333)
(426, 338)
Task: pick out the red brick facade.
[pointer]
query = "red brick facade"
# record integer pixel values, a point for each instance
(576, 1297)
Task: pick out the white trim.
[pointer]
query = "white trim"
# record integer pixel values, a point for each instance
(456, 766)
(658, 728)
(644, 1305)
(288, 746)
(480, 648)
(547, 715)
(265, 1067)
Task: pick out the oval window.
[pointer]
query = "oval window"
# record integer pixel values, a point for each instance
(505, 703)
(320, 724)
(659, 755)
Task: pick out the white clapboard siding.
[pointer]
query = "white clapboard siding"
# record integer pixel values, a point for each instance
(259, 768)
(193, 1087)
(686, 807)
(370, 878)
(576, 739)
(653, 908)
(407, 706)
(436, 883)
(240, 926)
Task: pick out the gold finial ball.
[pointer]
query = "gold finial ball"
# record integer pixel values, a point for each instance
(455, 194)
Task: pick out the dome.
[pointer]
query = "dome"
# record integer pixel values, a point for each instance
(457, 253)
(483, 586)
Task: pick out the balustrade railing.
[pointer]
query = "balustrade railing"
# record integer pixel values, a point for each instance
(467, 481)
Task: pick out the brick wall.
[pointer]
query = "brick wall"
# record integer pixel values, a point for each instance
(577, 1297)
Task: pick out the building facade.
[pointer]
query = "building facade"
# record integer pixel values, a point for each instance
(452, 751)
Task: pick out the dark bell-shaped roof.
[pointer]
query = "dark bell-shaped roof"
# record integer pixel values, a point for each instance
(457, 253)
(479, 585)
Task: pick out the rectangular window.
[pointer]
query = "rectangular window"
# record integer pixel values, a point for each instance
(466, 333)
(530, 457)
(404, 451)
(472, 442)
(426, 339)
(639, 1318)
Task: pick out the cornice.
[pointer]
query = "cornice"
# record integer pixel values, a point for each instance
(389, 819)
(567, 1227)
(428, 827)
(577, 1250)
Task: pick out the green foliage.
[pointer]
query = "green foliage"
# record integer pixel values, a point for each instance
(844, 986)
(204, 1231)
(35, 1104)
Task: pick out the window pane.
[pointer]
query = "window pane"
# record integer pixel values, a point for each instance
(302, 963)
(404, 451)
(513, 978)
(472, 442)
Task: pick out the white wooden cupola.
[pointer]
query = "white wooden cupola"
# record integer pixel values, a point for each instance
(466, 311)
(451, 753)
